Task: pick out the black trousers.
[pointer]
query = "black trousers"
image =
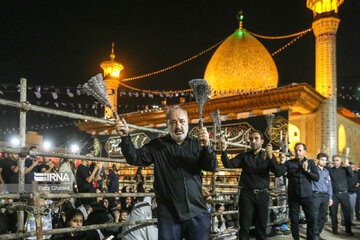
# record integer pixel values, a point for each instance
(253, 206)
(357, 204)
(344, 200)
(321, 202)
(294, 210)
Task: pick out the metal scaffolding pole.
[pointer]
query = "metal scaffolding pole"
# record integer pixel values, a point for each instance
(213, 185)
(21, 169)
(78, 229)
(38, 218)
(59, 155)
(29, 107)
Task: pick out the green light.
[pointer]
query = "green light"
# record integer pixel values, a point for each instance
(241, 17)
(240, 32)
(357, 92)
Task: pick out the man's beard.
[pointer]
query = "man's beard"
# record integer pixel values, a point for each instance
(178, 138)
(255, 147)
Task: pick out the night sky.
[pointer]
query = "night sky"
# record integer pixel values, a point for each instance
(61, 43)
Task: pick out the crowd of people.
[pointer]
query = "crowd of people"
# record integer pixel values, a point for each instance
(88, 177)
(181, 205)
(313, 185)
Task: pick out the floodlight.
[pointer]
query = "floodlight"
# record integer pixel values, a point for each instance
(47, 145)
(15, 142)
(75, 148)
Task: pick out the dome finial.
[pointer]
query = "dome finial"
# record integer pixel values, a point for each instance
(240, 17)
(112, 55)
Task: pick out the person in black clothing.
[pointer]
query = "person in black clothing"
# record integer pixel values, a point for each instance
(254, 183)
(31, 166)
(74, 219)
(353, 184)
(2, 166)
(10, 172)
(98, 181)
(339, 184)
(178, 159)
(47, 166)
(301, 171)
(113, 179)
(357, 203)
(84, 179)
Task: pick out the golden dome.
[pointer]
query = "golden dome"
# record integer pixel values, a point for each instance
(241, 62)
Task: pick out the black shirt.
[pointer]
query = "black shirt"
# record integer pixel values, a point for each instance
(29, 177)
(113, 178)
(101, 175)
(2, 166)
(339, 178)
(351, 182)
(82, 173)
(177, 171)
(45, 166)
(299, 185)
(357, 173)
(255, 168)
(9, 175)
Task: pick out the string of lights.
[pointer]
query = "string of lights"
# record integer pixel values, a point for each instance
(289, 43)
(56, 91)
(210, 48)
(154, 92)
(136, 92)
(348, 96)
(280, 37)
(37, 127)
(189, 90)
(175, 65)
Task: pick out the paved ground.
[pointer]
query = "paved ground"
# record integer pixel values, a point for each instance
(327, 233)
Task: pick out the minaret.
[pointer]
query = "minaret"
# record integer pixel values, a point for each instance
(325, 26)
(112, 71)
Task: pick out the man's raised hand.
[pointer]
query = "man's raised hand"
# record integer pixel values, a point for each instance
(269, 150)
(204, 137)
(121, 127)
(223, 144)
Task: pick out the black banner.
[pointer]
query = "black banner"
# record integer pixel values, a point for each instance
(235, 131)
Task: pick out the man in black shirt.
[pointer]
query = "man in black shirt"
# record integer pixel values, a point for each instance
(254, 183)
(339, 184)
(98, 181)
(3, 160)
(31, 166)
(357, 203)
(47, 166)
(85, 177)
(178, 159)
(12, 168)
(2, 166)
(301, 171)
(10, 172)
(353, 184)
(113, 179)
